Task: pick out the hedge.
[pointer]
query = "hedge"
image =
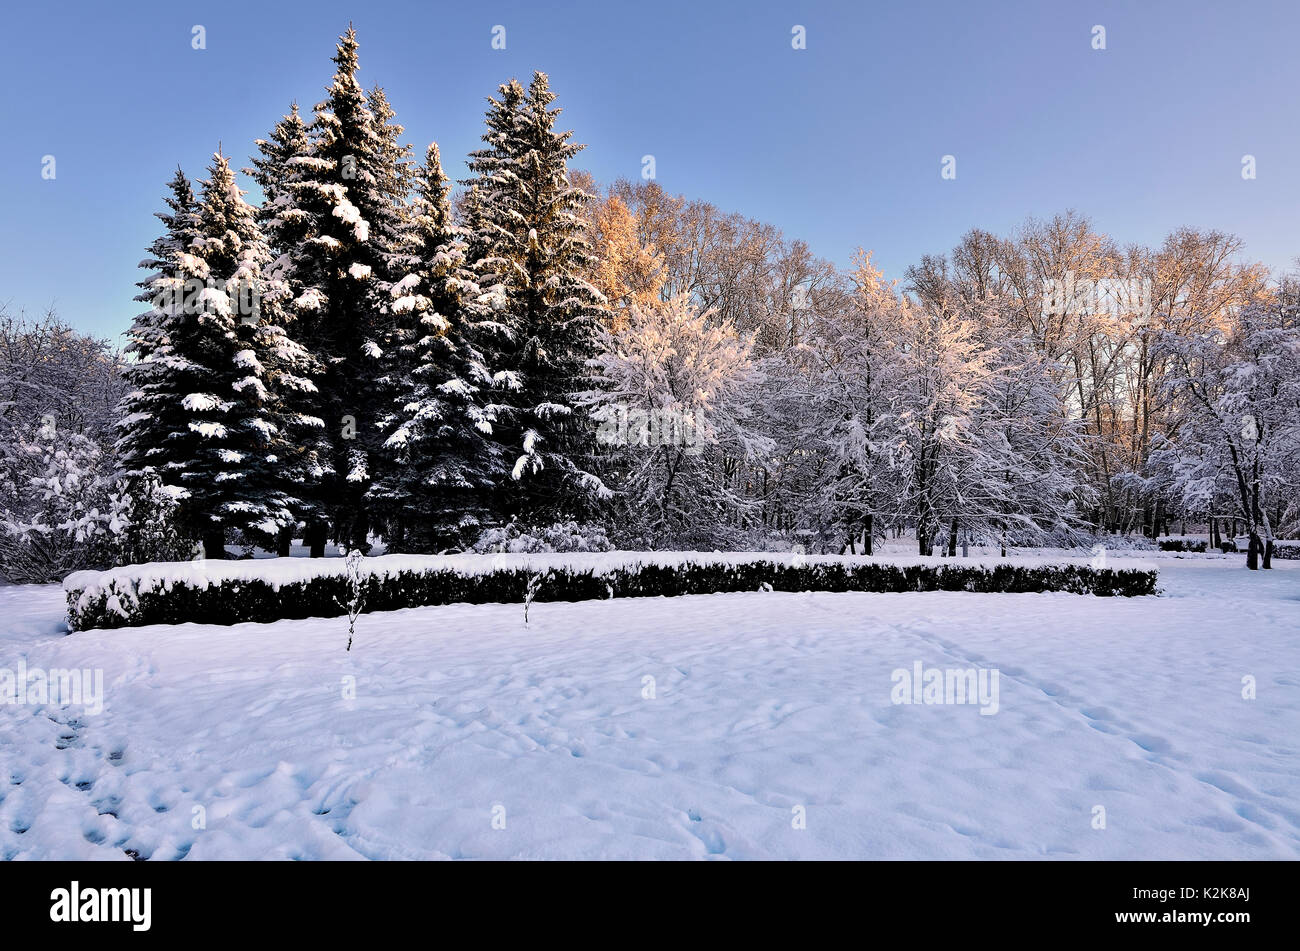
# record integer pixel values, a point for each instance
(1182, 544)
(285, 588)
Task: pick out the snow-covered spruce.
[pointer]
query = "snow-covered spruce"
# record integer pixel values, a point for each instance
(218, 592)
(216, 371)
(529, 252)
(438, 462)
(339, 205)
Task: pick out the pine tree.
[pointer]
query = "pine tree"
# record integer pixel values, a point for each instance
(281, 165)
(529, 254)
(143, 425)
(341, 272)
(208, 416)
(438, 462)
(285, 163)
(394, 172)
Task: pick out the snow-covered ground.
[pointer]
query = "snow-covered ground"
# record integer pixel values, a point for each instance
(471, 735)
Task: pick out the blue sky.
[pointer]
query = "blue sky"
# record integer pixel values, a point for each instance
(839, 144)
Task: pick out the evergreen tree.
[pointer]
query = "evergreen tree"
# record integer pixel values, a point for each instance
(278, 169)
(529, 253)
(147, 529)
(284, 164)
(143, 425)
(341, 271)
(208, 416)
(394, 170)
(439, 464)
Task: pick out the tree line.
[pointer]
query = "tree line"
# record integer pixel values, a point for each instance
(372, 353)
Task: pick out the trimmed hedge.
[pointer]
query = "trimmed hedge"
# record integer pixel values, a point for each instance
(160, 594)
(1286, 551)
(1183, 544)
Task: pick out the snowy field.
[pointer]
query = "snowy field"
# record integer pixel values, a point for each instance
(473, 736)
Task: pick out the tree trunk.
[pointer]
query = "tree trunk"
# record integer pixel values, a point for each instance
(869, 530)
(952, 538)
(283, 541)
(395, 537)
(359, 534)
(314, 537)
(1259, 518)
(214, 543)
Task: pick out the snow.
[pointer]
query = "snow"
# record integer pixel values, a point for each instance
(762, 703)
(202, 402)
(350, 214)
(310, 299)
(209, 430)
(407, 283)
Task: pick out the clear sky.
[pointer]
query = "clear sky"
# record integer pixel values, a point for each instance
(839, 143)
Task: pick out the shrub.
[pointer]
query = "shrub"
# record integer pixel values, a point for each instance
(149, 529)
(560, 537)
(1182, 544)
(271, 590)
(57, 512)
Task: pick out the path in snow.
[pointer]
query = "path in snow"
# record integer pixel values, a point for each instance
(763, 702)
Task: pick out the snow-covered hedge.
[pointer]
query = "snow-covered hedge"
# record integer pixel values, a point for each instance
(1286, 550)
(230, 592)
(1183, 544)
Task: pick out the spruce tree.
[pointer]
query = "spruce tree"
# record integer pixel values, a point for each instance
(145, 414)
(530, 254)
(341, 271)
(215, 375)
(439, 463)
(282, 167)
(394, 170)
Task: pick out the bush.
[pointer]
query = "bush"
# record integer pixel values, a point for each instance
(271, 590)
(561, 537)
(1286, 551)
(1182, 544)
(57, 510)
(149, 529)
(61, 511)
